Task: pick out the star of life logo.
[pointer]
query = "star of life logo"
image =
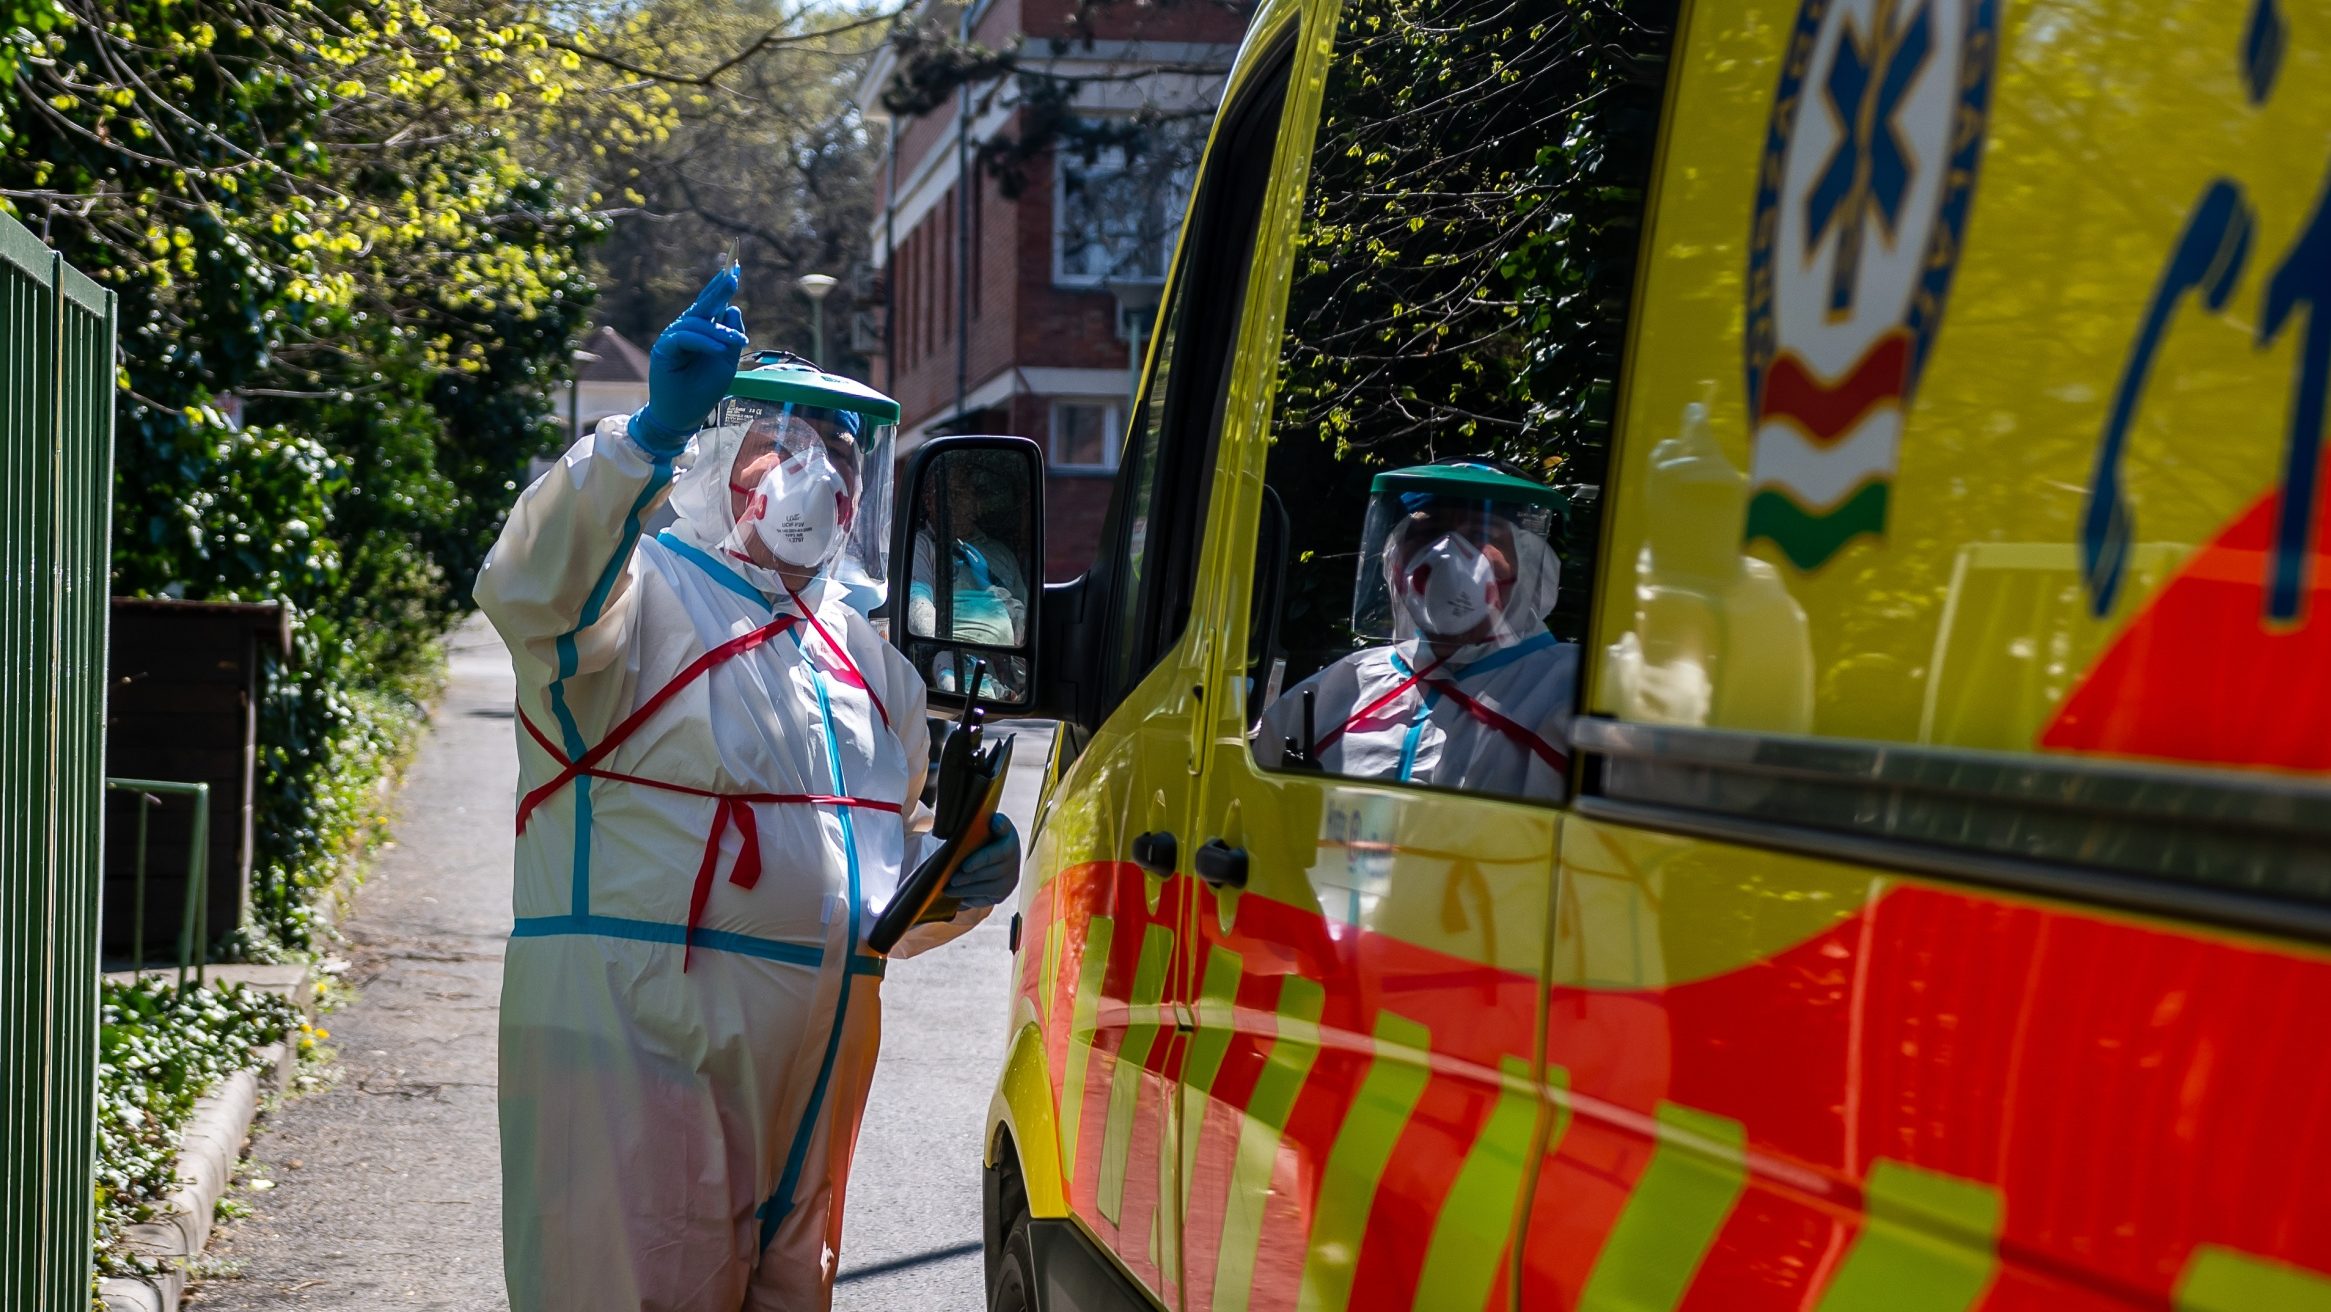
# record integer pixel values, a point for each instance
(1862, 196)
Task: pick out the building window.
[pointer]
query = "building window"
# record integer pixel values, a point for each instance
(927, 236)
(1116, 212)
(1087, 432)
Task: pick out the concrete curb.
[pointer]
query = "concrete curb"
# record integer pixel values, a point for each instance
(207, 1153)
(222, 1120)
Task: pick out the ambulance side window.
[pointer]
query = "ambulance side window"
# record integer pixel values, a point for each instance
(1423, 432)
(1157, 523)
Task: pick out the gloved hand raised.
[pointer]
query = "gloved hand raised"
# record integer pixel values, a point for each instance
(691, 366)
(992, 871)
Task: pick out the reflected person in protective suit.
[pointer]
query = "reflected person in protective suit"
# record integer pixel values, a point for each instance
(1472, 691)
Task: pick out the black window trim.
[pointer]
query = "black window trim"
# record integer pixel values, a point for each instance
(2249, 851)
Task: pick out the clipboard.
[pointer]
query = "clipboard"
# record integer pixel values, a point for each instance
(971, 788)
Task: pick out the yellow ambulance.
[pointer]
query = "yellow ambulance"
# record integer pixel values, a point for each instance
(1878, 857)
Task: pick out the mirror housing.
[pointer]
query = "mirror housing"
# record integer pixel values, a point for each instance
(976, 506)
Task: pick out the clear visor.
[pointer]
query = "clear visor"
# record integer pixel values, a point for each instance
(1455, 570)
(778, 489)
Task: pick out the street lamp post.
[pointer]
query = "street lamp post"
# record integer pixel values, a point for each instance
(575, 394)
(815, 286)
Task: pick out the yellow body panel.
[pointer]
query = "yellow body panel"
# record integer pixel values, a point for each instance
(1023, 1105)
(1604, 1001)
(1963, 620)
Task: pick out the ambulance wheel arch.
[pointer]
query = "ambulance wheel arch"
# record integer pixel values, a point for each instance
(1026, 1126)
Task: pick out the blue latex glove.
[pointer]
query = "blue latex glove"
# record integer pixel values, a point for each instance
(991, 872)
(974, 560)
(691, 366)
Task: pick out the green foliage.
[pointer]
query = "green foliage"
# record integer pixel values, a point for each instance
(24, 24)
(322, 760)
(345, 304)
(747, 145)
(1571, 272)
(1465, 260)
(1470, 228)
(157, 1054)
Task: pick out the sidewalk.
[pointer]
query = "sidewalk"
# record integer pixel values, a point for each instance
(395, 1198)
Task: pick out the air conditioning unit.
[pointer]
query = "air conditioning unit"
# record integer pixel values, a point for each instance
(866, 333)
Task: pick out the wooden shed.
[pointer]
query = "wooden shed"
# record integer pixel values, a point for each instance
(182, 704)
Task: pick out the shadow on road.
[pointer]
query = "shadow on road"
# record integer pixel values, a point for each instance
(947, 1254)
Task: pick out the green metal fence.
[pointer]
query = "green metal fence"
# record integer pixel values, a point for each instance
(56, 477)
(194, 921)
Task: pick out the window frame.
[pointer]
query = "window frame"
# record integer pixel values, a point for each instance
(1111, 436)
(1265, 636)
(1063, 159)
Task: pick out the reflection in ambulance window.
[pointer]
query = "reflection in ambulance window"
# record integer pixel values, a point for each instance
(1715, 636)
(1461, 684)
(1440, 425)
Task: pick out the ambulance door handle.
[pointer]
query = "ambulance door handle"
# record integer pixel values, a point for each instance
(1222, 865)
(1155, 853)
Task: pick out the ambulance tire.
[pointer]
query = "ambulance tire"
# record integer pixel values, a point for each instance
(1014, 1289)
(1050, 1266)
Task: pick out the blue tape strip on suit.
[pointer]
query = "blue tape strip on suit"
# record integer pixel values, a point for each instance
(773, 1212)
(719, 573)
(715, 940)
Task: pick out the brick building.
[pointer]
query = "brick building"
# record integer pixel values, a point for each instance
(1025, 315)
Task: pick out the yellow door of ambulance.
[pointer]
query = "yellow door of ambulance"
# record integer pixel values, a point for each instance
(1942, 917)
(1361, 1103)
(1114, 852)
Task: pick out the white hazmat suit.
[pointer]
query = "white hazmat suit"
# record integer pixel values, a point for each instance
(688, 1021)
(1488, 712)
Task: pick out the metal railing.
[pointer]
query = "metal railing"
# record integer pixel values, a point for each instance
(56, 477)
(194, 919)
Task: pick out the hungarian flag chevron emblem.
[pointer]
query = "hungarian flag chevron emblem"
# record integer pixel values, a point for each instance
(1868, 171)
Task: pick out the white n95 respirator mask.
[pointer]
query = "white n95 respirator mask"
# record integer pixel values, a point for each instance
(1452, 589)
(801, 509)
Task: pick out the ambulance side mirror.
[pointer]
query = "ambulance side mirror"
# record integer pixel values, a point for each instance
(967, 569)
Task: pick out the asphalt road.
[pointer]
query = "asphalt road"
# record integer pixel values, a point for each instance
(386, 1188)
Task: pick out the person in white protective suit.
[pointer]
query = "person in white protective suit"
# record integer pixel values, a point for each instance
(718, 761)
(1472, 692)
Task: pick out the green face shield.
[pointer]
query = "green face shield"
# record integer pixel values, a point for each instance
(1456, 552)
